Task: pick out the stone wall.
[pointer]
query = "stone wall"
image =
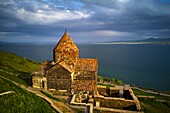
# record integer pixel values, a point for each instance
(89, 106)
(83, 85)
(85, 75)
(110, 110)
(113, 92)
(84, 81)
(117, 103)
(39, 82)
(127, 94)
(102, 90)
(59, 78)
(130, 101)
(138, 107)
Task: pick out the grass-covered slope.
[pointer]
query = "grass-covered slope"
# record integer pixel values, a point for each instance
(21, 101)
(153, 106)
(15, 67)
(14, 63)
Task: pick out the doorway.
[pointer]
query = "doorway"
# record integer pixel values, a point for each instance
(43, 84)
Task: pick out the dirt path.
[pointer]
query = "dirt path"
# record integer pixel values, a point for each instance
(7, 92)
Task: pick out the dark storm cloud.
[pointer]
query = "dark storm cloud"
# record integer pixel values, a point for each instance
(140, 17)
(101, 20)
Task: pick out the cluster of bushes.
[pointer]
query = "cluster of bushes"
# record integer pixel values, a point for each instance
(110, 80)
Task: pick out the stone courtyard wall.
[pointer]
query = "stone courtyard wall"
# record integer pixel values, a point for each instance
(110, 110)
(102, 90)
(113, 92)
(116, 103)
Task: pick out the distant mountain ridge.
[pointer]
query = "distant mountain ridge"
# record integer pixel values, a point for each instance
(153, 40)
(144, 41)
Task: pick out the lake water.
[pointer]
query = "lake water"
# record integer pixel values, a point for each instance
(142, 65)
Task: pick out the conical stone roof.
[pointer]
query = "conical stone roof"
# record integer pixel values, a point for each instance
(66, 51)
(66, 43)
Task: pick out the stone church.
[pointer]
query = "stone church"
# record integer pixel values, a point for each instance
(67, 72)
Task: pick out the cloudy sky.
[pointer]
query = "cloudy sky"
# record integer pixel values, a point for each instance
(85, 20)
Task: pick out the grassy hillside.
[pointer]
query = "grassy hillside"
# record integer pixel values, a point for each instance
(153, 106)
(21, 101)
(14, 67)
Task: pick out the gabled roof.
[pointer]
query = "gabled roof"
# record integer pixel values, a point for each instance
(45, 65)
(65, 43)
(87, 64)
(67, 67)
(59, 66)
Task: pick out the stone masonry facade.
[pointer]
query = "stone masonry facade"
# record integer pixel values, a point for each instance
(67, 71)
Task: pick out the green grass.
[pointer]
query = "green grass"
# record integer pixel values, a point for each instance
(13, 67)
(107, 85)
(153, 106)
(14, 78)
(21, 101)
(112, 80)
(80, 111)
(158, 97)
(50, 96)
(13, 63)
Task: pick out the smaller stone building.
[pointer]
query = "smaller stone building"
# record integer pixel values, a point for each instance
(67, 72)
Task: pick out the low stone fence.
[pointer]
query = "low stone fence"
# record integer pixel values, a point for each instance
(113, 92)
(89, 105)
(102, 90)
(116, 103)
(146, 97)
(109, 98)
(111, 110)
(138, 107)
(7, 92)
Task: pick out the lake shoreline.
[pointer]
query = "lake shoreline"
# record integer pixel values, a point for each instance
(143, 65)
